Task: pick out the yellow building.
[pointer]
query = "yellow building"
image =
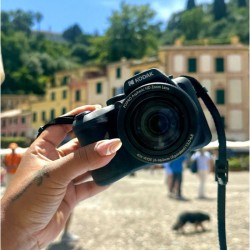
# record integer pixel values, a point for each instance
(97, 89)
(53, 104)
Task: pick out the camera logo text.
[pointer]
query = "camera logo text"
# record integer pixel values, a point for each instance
(140, 78)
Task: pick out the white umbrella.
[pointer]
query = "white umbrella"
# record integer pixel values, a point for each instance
(5, 151)
(230, 144)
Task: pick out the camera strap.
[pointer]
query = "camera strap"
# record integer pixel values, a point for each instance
(69, 119)
(221, 164)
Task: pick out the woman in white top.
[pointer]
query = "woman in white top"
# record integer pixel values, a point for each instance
(204, 165)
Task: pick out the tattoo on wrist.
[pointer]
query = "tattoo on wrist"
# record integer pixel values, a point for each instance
(37, 179)
(40, 175)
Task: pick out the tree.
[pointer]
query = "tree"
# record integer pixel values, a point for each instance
(132, 33)
(219, 9)
(81, 52)
(187, 24)
(22, 21)
(6, 26)
(190, 4)
(38, 17)
(72, 33)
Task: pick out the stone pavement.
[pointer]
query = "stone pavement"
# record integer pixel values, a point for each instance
(136, 214)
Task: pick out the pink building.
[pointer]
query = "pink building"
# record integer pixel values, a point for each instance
(16, 123)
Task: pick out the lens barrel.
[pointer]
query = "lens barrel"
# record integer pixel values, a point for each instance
(157, 122)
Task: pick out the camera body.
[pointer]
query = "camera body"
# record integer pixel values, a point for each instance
(158, 119)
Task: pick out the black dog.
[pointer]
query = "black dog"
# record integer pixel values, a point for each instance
(196, 218)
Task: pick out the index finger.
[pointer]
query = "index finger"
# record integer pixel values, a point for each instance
(55, 134)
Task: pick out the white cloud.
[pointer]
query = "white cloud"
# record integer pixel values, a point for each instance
(165, 10)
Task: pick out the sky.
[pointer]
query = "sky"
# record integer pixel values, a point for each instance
(91, 15)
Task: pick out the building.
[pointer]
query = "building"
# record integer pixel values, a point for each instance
(53, 104)
(15, 123)
(224, 71)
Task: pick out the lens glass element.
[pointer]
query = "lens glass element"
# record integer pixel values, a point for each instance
(156, 124)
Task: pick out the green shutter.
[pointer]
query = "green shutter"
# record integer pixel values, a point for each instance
(220, 96)
(192, 65)
(219, 64)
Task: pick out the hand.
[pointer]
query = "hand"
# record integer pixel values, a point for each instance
(48, 184)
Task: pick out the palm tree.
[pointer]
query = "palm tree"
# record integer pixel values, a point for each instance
(38, 17)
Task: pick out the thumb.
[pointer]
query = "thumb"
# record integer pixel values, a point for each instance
(86, 159)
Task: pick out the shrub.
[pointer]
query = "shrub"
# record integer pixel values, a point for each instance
(21, 141)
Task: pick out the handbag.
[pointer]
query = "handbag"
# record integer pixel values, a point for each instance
(193, 167)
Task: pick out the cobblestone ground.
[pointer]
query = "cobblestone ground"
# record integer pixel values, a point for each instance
(136, 214)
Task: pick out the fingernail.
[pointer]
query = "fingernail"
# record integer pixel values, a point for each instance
(108, 147)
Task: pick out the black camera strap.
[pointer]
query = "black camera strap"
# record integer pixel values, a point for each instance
(59, 120)
(221, 164)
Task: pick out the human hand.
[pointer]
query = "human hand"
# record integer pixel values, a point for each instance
(48, 184)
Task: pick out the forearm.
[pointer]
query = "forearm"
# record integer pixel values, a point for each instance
(14, 238)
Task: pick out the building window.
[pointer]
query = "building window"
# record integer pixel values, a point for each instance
(65, 80)
(78, 95)
(53, 96)
(99, 88)
(235, 91)
(15, 120)
(219, 64)
(43, 116)
(3, 123)
(64, 94)
(179, 62)
(192, 65)
(234, 63)
(34, 118)
(64, 110)
(23, 120)
(52, 114)
(220, 96)
(118, 73)
(236, 119)
(205, 63)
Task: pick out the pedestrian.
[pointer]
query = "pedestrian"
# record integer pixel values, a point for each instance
(204, 161)
(49, 182)
(11, 162)
(177, 170)
(168, 177)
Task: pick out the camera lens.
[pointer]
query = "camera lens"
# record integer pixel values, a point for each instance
(156, 124)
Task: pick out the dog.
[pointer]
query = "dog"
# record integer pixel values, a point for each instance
(196, 218)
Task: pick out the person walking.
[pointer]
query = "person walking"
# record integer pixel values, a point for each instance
(204, 164)
(176, 167)
(11, 162)
(168, 177)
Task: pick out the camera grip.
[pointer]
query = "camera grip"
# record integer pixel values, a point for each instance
(91, 135)
(90, 132)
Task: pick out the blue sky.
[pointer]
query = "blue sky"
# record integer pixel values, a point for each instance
(91, 15)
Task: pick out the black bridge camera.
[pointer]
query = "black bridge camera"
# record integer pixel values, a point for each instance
(158, 119)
